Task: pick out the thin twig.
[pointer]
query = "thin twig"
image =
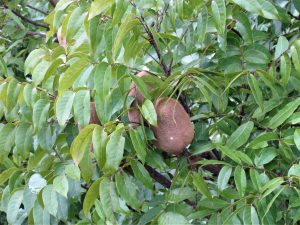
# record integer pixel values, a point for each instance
(34, 33)
(36, 9)
(58, 155)
(295, 17)
(27, 19)
(162, 17)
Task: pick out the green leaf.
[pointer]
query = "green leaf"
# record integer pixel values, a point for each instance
(257, 54)
(126, 26)
(149, 215)
(138, 144)
(128, 190)
(256, 91)
(283, 114)
(114, 151)
(80, 143)
(100, 139)
(264, 137)
(24, 139)
(267, 155)
(91, 195)
(230, 153)
(50, 200)
(75, 21)
(263, 8)
(7, 137)
(72, 171)
(54, 65)
(240, 136)
(40, 114)
(33, 59)
(12, 94)
(250, 216)
(6, 174)
(244, 157)
(285, 68)
(141, 85)
(81, 106)
(86, 165)
(72, 73)
(141, 174)
(212, 162)
(149, 112)
(60, 184)
(281, 47)
(179, 194)
(62, 4)
(240, 180)
(99, 6)
(40, 215)
(272, 201)
(219, 14)
(295, 50)
(109, 199)
(63, 107)
(202, 25)
(40, 71)
(171, 218)
(244, 27)
(201, 185)
(294, 170)
(13, 207)
(215, 203)
(270, 186)
(296, 4)
(224, 177)
(254, 175)
(121, 7)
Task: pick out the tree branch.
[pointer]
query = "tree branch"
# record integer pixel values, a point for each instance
(27, 19)
(33, 33)
(165, 68)
(53, 2)
(36, 9)
(152, 41)
(164, 181)
(158, 177)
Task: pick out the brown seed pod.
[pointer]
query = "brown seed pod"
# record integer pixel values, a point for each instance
(94, 118)
(134, 91)
(134, 116)
(133, 113)
(175, 130)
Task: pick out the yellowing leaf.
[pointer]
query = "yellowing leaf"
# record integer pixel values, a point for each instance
(99, 6)
(81, 143)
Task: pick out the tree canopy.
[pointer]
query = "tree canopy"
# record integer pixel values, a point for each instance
(70, 152)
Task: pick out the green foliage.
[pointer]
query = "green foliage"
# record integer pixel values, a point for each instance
(236, 66)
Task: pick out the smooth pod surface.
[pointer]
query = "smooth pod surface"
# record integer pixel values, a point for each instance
(94, 119)
(175, 130)
(134, 116)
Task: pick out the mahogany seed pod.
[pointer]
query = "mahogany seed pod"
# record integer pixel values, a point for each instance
(133, 113)
(174, 131)
(135, 92)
